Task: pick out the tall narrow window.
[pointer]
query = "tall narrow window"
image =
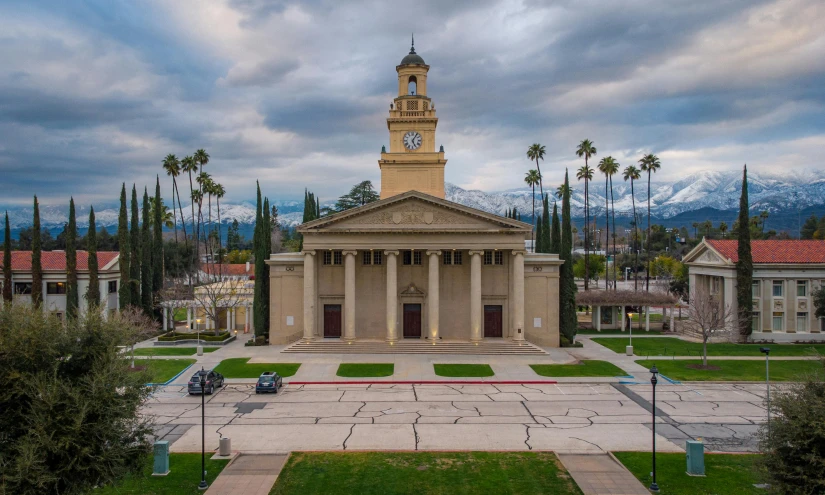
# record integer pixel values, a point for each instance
(408, 257)
(755, 322)
(499, 258)
(327, 257)
(778, 321)
(113, 287)
(756, 288)
(488, 257)
(802, 322)
(337, 258)
(456, 257)
(366, 257)
(411, 85)
(777, 288)
(447, 257)
(801, 288)
(416, 257)
(377, 257)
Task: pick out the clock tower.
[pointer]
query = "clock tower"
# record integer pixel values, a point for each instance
(412, 162)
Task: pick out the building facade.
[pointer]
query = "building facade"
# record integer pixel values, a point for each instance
(785, 274)
(414, 265)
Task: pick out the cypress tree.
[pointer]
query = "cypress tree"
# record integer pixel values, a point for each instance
(555, 231)
(146, 258)
(744, 265)
(134, 255)
(258, 317)
(516, 216)
(157, 244)
(7, 293)
(93, 292)
(72, 299)
(37, 266)
(124, 292)
(317, 208)
(267, 249)
(567, 286)
(546, 241)
(539, 247)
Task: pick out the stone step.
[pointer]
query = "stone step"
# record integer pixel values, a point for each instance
(407, 347)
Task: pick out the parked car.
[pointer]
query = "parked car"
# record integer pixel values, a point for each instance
(269, 381)
(213, 380)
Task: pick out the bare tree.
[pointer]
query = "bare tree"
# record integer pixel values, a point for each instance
(225, 294)
(136, 327)
(710, 317)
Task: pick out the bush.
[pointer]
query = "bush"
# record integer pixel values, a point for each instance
(259, 340)
(176, 336)
(794, 445)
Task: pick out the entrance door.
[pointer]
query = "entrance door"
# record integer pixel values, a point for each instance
(332, 320)
(492, 321)
(412, 321)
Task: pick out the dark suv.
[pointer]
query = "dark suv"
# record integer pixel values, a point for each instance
(269, 381)
(213, 380)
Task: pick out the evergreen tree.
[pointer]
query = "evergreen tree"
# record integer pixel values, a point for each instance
(744, 265)
(124, 291)
(7, 292)
(546, 241)
(157, 244)
(267, 250)
(37, 266)
(567, 286)
(72, 299)
(360, 195)
(146, 258)
(539, 246)
(258, 318)
(555, 232)
(810, 227)
(93, 292)
(317, 207)
(134, 256)
(516, 215)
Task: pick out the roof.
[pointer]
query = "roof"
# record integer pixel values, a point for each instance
(412, 58)
(228, 269)
(56, 260)
(773, 251)
(624, 297)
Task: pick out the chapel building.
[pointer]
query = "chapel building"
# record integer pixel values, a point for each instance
(414, 265)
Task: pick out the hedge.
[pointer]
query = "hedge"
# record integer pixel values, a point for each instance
(175, 336)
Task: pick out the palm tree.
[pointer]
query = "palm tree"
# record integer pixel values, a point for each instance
(189, 165)
(560, 191)
(205, 183)
(723, 228)
(219, 192)
(536, 152)
(650, 164)
(171, 165)
(586, 150)
(695, 226)
(763, 216)
(632, 174)
(532, 178)
(197, 197)
(609, 166)
(166, 216)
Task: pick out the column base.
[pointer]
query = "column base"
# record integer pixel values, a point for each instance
(348, 339)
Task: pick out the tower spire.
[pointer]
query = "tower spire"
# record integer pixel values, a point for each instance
(412, 46)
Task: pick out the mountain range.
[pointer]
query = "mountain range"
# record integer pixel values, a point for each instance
(704, 195)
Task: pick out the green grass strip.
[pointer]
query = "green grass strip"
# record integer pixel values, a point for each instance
(613, 331)
(184, 475)
(163, 370)
(666, 346)
(725, 474)
(240, 368)
(729, 370)
(168, 351)
(431, 473)
(361, 370)
(587, 367)
(463, 370)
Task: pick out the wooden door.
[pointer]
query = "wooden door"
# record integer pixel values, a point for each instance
(332, 320)
(492, 321)
(412, 321)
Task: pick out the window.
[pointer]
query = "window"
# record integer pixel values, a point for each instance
(337, 258)
(447, 257)
(367, 257)
(756, 287)
(778, 322)
(327, 257)
(755, 321)
(777, 288)
(22, 288)
(456, 257)
(488, 257)
(377, 257)
(408, 257)
(801, 288)
(499, 258)
(416, 257)
(55, 288)
(802, 322)
(113, 287)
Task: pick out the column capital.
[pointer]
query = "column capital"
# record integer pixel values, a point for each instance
(310, 252)
(392, 252)
(522, 252)
(349, 252)
(476, 253)
(431, 252)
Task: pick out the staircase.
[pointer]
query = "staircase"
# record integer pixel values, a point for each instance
(487, 347)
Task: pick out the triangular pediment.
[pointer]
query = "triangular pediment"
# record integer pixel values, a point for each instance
(706, 255)
(414, 211)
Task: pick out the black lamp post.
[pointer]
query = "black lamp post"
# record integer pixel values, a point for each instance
(202, 377)
(767, 352)
(654, 487)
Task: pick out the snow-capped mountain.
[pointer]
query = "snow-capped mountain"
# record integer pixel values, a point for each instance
(707, 189)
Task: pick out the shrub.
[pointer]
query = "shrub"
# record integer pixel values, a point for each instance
(176, 336)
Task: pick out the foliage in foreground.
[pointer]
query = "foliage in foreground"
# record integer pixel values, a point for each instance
(241, 368)
(70, 402)
(794, 445)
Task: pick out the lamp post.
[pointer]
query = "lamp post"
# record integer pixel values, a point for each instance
(767, 352)
(654, 487)
(629, 349)
(202, 378)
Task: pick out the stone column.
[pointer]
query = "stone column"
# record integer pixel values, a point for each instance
(475, 296)
(165, 318)
(189, 317)
(730, 296)
(392, 295)
(309, 295)
(647, 318)
(349, 295)
(432, 295)
(597, 314)
(518, 295)
(622, 316)
(229, 318)
(672, 320)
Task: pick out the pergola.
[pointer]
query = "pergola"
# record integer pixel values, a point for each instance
(227, 295)
(598, 299)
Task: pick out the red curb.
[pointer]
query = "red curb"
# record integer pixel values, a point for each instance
(431, 382)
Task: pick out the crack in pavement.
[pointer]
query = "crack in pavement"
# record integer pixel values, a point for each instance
(352, 427)
(417, 439)
(527, 440)
(591, 443)
(529, 412)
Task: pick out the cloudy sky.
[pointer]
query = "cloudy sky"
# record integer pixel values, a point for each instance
(295, 94)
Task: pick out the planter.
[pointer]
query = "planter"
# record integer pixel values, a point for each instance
(194, 341)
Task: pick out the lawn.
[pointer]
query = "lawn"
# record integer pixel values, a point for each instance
(780, 371)
(666, 346)
(163, 370)
(584, 368)
(725, 474)
(359, 370)
(238, 368)
(183, 478)
(179, 314)
(169, 351)
(618, 331)
(433, 473)
(463, 370)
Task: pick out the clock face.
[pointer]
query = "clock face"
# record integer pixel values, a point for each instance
(412, 140)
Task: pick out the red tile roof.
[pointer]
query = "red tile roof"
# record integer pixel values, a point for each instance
(56, 260)
(774, 251)
(228, 269)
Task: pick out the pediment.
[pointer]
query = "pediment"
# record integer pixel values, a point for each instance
(706, 255)
(414, 211)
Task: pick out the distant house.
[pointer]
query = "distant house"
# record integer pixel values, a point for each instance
(218, 272)
(54, 278)
(785, 273)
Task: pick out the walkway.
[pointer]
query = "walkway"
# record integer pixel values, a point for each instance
(248, 475)
(600, 474)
